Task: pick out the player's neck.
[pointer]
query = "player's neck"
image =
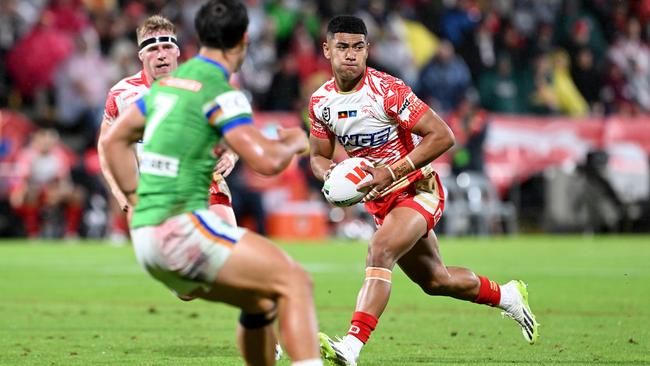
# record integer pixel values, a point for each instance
(347, 86)
(148, 79)
(227, 60)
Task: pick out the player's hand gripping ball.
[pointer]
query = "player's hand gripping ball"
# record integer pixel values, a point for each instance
(340, 188)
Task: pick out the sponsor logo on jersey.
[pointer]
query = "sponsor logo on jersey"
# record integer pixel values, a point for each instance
(365, 139)
(406, 104)
(156, 164)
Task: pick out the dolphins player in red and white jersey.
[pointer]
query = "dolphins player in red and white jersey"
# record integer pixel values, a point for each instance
(376, 116)
(159, 54)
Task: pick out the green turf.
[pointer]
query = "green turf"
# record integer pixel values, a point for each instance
(90, 304)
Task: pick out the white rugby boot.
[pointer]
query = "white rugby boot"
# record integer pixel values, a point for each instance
(336, 352)
(516, 307)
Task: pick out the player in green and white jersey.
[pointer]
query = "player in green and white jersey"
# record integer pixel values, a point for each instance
(176, 238)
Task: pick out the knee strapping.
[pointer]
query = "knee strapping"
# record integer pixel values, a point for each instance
(378, 273)
(256, 321)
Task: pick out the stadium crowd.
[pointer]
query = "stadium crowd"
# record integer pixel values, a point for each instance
(60, 57)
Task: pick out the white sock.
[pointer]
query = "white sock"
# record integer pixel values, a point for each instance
(354, 343)
(310, 362)
(509, 296)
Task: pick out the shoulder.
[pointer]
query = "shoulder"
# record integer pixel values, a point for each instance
(323, 93)
(130, 86)
(324, 90)
(381, 82)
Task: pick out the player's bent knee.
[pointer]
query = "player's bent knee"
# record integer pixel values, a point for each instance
(256, 320)
(381, 256)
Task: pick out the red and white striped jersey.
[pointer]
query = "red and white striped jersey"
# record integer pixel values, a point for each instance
(374, 121)
(122, 94)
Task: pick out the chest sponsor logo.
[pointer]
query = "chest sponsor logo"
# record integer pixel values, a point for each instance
(326, 114)
(156, 164)
(365, 139)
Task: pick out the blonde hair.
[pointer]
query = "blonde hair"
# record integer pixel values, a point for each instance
(155, 24)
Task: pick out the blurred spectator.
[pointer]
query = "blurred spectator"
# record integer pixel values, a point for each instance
(285, 87)
(469, 122)
(257, 70)
(588, 79)
(499, 88)
(577, 28)
(81, 86)
(443, 81)
(459, 21)
(422, 43)
(538, 91)
(43, 186)
(69, 15)
(616, 94)
(34, 59)
(12, 27)
(569, 100)
(479, 50)
(629, 52)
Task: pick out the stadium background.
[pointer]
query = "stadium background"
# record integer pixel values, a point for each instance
(549, 102)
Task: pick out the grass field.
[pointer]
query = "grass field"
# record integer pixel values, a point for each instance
(91, 304)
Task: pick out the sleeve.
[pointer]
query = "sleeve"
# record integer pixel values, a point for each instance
(142, 106)
(110, 108)
(317, 127)
(402, 105)
(228, 110)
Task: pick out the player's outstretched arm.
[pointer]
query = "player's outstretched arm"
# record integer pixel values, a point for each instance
(320, 156)
(264, 155)
(117, 144)
(108, 176)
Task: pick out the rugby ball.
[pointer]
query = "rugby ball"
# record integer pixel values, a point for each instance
(340, 188)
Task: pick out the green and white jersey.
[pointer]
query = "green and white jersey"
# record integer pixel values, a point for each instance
(187, 114)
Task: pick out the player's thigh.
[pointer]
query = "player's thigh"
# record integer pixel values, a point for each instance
(259, 266)
(423, 262)
(248, 301)
(396, 236)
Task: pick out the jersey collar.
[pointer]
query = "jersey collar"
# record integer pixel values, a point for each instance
(215, 63)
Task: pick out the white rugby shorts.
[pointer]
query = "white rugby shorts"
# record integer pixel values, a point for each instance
(185, 252)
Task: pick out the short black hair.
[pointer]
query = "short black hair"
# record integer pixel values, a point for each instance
(221, 24)
(346, 24)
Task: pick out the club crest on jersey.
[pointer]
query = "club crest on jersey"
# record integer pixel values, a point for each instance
(326, 114)
(346, 114)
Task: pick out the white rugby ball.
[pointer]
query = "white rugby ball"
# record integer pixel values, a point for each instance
(340, 188)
